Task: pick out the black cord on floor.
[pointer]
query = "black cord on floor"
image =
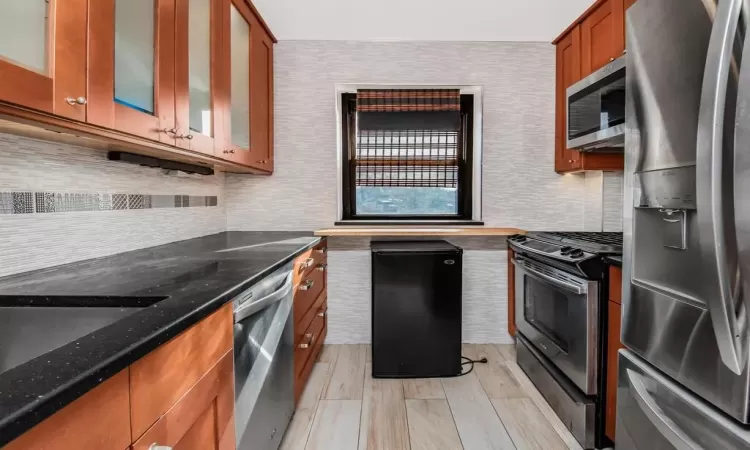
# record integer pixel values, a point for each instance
(471, 361)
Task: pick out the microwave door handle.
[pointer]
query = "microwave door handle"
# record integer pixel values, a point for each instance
(533, 273)
(657, 417)
(730, 331)
(248, 310)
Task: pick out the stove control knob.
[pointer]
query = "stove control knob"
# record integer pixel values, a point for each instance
(576, 253)
(566, 250)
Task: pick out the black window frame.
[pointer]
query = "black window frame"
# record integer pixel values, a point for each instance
(465, 168)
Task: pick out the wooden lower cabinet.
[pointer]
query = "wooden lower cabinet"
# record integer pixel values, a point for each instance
(614, 317)
(98, 420)
(180, 395)
(310, 312)
(203, 419)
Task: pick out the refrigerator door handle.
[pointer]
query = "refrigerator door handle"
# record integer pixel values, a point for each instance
(729, 326)
(656, 415)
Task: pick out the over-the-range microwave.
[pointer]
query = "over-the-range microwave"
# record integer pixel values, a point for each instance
(596, 110)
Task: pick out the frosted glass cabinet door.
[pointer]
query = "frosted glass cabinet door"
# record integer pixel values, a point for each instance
(199, 32)
(24, 34)
(239, 31)
(198, 45)
(135, 39)
(43, 66)
(131, 73)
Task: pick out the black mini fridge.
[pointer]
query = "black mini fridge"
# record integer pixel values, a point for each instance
(416, 309)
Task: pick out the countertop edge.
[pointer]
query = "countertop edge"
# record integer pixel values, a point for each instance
(614, 261)
(24, 419)
(447, 231)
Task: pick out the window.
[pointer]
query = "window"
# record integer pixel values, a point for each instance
(407, 155)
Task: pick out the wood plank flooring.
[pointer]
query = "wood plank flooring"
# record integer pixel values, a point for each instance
(494, 407)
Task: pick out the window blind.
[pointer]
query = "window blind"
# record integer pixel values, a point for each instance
(408, 138)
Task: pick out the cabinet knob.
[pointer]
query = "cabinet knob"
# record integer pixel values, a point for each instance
(322, 267)
(307, 285)
(321, 250)
(76, 101)
(611, 59)
(169, 131)
(307, 263)
(302, 345)
(228, 151)
(570, 161)
(322, 312)
(159, 447)
(262, 161)
(189, 137)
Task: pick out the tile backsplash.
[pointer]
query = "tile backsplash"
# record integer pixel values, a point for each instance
(51, 202)
(61, 203)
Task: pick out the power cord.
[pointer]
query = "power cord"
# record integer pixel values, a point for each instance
(471, 361)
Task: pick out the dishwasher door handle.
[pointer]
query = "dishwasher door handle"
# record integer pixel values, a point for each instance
(248, 310)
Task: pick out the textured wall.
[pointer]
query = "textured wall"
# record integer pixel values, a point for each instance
(34, 241)
(520, 187)
(484, 295)
(612, 194)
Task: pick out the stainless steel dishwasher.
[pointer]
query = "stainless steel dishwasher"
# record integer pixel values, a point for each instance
(263, 362)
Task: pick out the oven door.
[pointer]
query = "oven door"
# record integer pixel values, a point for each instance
(559, 314)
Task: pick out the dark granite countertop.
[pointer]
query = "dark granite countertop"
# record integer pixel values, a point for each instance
(196, 276)
(614, 260)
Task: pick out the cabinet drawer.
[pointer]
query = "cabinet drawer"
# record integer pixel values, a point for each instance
(310, 339)
(307, 291)
(300, 381)
(308, 261)
(98, 419)
(615, 284)
(161, 378)
(318, 308)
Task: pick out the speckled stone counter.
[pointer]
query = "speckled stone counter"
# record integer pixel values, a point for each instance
(196, 277)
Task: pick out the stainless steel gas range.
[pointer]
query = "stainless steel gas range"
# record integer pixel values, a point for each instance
(560, 281)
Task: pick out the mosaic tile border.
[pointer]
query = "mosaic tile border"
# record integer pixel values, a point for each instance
(25, 202)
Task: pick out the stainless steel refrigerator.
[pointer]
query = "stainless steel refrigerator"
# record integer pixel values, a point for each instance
(683, 379)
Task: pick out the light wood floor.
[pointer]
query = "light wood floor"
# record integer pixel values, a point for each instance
(494, 407)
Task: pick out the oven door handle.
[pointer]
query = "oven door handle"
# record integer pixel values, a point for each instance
(248, 310)
(533, 273)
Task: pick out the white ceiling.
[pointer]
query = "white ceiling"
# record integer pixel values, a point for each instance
(420, 20)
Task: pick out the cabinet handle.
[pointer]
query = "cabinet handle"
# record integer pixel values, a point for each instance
(307, 263)
(323, 250)
(76, 101)
(159, 447)
(308, 343)
(323, 312)
(307, 285)
(322, 267)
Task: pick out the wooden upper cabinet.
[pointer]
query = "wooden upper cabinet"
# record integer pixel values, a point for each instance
(131, 67)
(602, 35)
(247, 112)
(197, 74)
(568, 72)
(261, 97)
(43, 56)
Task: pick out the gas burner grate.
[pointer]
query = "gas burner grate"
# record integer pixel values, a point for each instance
(603, 238)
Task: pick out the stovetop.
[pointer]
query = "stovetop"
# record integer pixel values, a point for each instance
(579, 252)
(603, 243)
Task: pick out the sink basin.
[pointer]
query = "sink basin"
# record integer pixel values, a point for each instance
(31, 326)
